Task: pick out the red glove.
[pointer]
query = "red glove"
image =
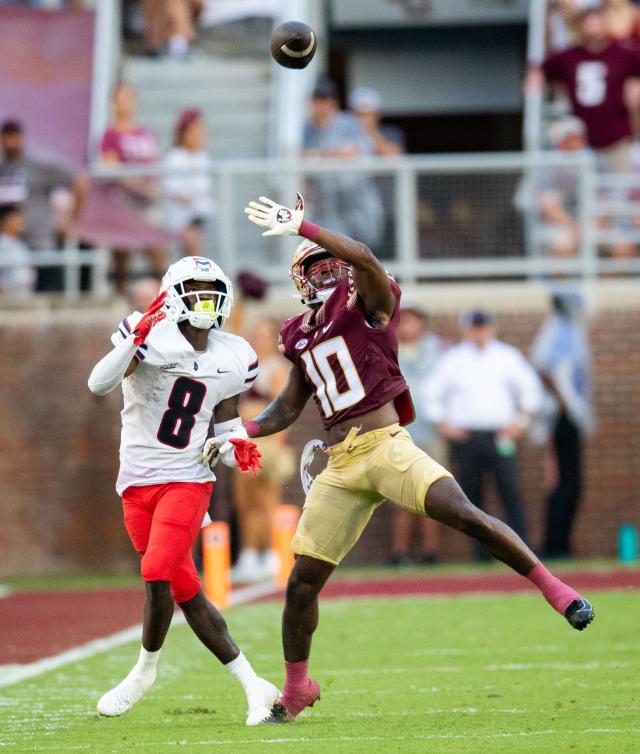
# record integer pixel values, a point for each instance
(246, 454)
(154, 314)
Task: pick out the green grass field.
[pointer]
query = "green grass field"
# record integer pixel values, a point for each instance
(488, 674)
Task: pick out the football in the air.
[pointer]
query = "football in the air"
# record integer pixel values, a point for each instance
(293, 44)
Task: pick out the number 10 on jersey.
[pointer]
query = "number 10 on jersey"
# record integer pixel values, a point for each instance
(323, 373)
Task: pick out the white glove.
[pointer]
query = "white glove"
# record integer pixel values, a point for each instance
(279, 220)
(216, 448)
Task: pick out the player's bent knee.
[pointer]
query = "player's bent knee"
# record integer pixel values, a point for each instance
(184, 588)
(447, 503)
(154, 568)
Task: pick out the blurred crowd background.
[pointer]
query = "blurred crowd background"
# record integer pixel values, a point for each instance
(501, 189)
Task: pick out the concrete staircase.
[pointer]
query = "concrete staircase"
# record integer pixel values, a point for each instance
(233, 93)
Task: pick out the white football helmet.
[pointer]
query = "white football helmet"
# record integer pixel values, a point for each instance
(211, 307)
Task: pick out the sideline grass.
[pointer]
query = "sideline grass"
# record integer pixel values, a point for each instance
(475, 674)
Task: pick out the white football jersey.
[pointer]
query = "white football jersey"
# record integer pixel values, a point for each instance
(170, 398)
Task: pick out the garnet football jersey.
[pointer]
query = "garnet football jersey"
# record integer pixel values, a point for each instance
(595, 85)
(351, 367)
(170, 398)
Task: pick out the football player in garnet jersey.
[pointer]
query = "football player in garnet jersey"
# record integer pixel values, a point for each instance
(181, 378)
(343, 352)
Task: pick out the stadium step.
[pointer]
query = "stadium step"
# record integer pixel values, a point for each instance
(233, 93)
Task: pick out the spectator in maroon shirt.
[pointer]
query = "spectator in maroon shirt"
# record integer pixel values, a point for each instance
(594, 75)
(127, 142)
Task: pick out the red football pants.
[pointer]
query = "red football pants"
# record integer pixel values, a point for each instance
(163, 521)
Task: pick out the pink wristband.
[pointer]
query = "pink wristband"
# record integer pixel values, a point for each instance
(309, 230)
(252, 428)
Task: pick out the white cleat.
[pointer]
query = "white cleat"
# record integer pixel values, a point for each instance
(261, 698)
(122, 698)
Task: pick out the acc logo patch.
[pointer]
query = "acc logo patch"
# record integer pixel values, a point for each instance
(301, 344)
(284, 215)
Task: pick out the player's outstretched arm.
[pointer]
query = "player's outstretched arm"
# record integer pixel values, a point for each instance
(370, 277)
(372, 282)
(285, 409)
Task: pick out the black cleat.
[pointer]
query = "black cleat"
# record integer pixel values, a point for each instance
(279, 714)
(579, 614)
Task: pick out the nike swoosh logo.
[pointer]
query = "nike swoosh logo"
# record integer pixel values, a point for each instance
(326, 327)
(224, 371)
(393, 434)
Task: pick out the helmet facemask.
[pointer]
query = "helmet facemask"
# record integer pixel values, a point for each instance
(203, 309)
(316, 274)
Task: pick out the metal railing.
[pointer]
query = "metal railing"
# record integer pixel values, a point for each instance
(455, 217)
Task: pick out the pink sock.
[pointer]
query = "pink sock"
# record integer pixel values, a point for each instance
(556, 592)
(296, 675)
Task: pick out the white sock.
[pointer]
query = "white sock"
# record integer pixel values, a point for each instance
(147, 661)
(241, 669)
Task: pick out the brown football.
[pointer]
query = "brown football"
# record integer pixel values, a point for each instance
(293, 44)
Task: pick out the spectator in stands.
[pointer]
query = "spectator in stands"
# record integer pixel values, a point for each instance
(482, 394)
(17, 276)
(594, 74)
(365, 103)
(561, 354)
(386, 140)
(552, 193)
(419, 351)
(188, 190)
(170, 26)
(128, 143)
(349, 201)
(29, 182)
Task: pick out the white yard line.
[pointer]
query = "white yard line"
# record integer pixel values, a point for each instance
(10, 674)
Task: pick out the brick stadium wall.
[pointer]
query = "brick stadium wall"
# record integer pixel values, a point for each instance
(59, 446)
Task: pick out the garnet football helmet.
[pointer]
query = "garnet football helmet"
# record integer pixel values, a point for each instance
(316, 272)
(211, 307)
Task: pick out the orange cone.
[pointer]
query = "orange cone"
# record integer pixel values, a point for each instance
(285, 523)
(217, 563)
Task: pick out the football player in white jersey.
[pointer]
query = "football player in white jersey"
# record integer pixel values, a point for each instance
(181, 378)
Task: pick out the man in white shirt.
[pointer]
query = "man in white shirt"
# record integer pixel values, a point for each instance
(481, 395)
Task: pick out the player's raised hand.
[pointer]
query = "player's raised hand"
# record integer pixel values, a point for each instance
(277, 219)
(154, 314)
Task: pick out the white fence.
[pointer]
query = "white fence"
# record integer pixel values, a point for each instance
(455, 217)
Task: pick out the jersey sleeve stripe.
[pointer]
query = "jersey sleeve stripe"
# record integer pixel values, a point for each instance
(126, 325)
(249, 380)
(140, 354)
(122, 331)
(253, 366)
